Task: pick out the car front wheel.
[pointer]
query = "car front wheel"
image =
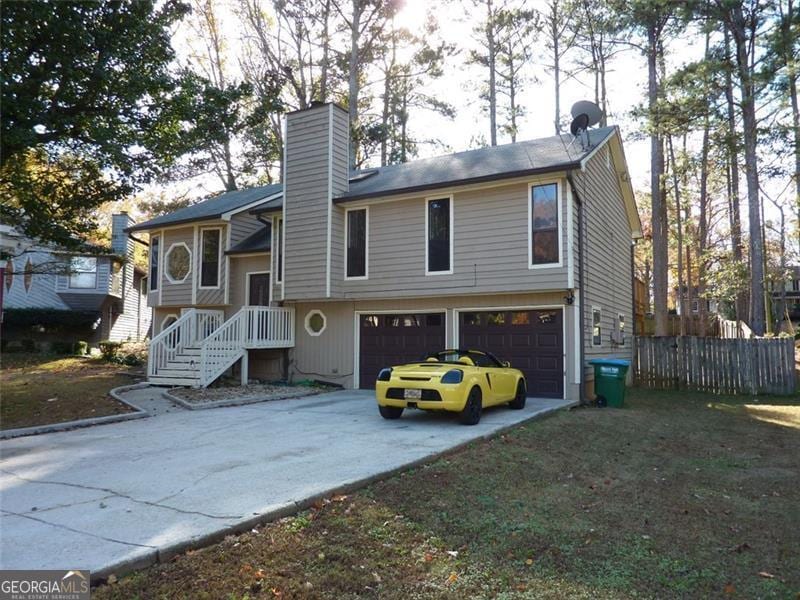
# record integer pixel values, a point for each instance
(471, 413)
(390, 412)
(518, 403)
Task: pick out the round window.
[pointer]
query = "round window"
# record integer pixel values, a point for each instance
(315, 322)
(179, 261)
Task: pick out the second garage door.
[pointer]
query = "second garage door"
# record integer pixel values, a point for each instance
(531, 340)
(396, 339)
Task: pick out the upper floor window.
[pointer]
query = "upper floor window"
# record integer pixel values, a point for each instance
(439, 240)
(544, 237)
(83, 272)
(356, 251)
(278, 241)
(209, 258)
(155, 244)
(179, 262)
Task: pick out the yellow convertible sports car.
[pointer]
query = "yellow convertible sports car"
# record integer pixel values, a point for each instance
(462, 381)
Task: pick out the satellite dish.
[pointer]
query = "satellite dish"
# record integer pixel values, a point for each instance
(590, 109)
(579, 124)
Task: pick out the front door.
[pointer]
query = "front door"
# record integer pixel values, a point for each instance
(259, 289)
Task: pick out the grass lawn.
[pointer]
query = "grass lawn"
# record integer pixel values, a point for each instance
(38, 389)
(676, 496)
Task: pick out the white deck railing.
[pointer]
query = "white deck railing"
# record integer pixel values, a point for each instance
(188, 331)
(250, 328)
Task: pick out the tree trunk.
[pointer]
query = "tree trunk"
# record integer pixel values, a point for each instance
(681, 297)
(745, 73)
(734, 198)
(512, 94)
(556, 67)
(690, 290)
(659, 207)
(353, 84)
(326, 46)
(490, 35)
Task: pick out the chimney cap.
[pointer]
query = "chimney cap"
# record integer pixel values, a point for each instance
(317, 104)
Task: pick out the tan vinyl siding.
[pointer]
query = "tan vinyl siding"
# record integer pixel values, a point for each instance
(607, 259)
(316, 165)
(490, 246)
(242, 226)
(331, 356)
(176, 294)
(240, 267)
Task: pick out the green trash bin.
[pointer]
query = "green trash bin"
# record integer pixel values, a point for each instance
(609, 380)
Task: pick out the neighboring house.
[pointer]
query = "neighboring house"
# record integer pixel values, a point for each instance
(524, 250)
(792, 294)
(109, 283)
(694, 301)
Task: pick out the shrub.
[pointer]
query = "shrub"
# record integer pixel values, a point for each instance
(109, 350)
(62, 347)
(81, 348)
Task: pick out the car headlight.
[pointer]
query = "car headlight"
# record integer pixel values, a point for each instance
(385, 374)
(453, 376)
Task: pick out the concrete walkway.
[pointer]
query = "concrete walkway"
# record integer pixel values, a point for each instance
(117, 497)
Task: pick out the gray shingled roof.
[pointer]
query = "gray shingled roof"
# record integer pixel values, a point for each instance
(509, 160)
(212, 208)
(542, 155)
(260, 241)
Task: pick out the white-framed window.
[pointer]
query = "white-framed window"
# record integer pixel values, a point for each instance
(356, 250)
(439, 235)
(210, 257)
(168, 320)
(278, 242)
(117, 277)
(597, 332)
(695, 305)
(315, 322)
(178, 260)
(621, 329)
(155, 246)
(544, 233)
(83, 272)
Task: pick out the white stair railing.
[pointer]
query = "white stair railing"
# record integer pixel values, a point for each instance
(269, 327)
(222, 348)
(170, 342)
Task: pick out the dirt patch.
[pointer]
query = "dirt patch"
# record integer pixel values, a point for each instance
(43, 390)
(670, 497)
(262, 392)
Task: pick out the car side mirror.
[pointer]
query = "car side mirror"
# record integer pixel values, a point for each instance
(506, 364)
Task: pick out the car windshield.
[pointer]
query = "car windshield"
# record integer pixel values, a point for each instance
(481, 359)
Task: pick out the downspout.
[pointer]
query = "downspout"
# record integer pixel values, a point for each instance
(581, 292)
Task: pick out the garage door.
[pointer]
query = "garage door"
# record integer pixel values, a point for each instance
(395, 339)
(531, 340)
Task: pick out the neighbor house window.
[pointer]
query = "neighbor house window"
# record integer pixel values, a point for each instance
(155, 243)
(116, 278)
(544, 224)
(179, 262)
(83, 272)
(439, 236)
(695, 306)
(597, 338)
(279, 248)
(209, 259)
(357, 243)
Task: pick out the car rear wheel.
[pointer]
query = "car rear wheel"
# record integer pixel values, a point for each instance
(518, 403)
(471, 413)
(390, 412)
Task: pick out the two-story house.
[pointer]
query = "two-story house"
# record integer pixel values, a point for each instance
(106, 283)
(524, 250)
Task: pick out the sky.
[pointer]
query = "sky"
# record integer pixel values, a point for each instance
(626, 79)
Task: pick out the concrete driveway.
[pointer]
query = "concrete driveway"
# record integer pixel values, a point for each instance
(117, 497)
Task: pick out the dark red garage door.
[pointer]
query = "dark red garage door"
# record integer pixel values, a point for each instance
(387, 340)
(531, 340)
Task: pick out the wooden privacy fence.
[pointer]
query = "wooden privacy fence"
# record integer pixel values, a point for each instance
(719, 366)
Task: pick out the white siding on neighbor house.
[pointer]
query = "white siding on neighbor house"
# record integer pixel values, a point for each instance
(315, 139)
(42, 291)
(133, 322)
(490, 245)
(331, 355)
(607, 258)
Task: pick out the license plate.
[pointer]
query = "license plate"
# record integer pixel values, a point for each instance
(413, 394)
